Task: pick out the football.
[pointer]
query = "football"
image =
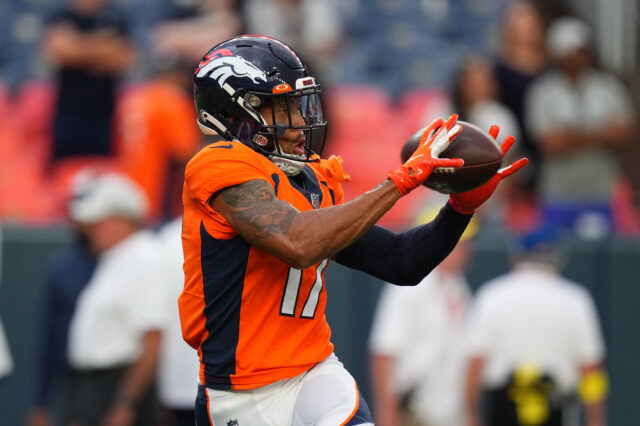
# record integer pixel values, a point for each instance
(481, 154)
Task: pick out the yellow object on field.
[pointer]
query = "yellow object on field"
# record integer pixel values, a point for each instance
(593, 387)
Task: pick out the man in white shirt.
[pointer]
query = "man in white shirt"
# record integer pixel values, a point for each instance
(580, 118)
(534, 342)
(416, 345)
(115, 332)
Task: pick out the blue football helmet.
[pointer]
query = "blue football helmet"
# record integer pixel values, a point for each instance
(238, 77)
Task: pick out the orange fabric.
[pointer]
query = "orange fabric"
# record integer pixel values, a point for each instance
(270, 346)
(155, 125)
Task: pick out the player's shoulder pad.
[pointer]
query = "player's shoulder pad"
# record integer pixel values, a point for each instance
(223, 151)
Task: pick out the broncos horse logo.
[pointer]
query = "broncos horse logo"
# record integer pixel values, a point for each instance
(223, 67)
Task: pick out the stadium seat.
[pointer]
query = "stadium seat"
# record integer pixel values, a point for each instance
(32, 189)
(33, 107)
(22, 197)
(4, 101)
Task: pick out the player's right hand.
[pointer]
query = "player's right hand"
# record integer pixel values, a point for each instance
(435, 139)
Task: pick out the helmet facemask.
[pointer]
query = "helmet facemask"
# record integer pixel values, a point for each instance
(292, 114)
(298, 110)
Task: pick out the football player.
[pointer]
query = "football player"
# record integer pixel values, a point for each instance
(263, 217)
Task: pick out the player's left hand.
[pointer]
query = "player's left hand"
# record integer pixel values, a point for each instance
(468, 202)
(435, 139)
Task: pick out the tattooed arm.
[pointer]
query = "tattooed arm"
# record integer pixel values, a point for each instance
(300, 238)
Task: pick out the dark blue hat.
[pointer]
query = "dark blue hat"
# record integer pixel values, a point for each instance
(544, 237)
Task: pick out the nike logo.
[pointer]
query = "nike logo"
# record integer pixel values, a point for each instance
(414, 157)
(229, 146)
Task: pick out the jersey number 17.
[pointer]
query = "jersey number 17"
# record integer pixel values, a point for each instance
(292, 291)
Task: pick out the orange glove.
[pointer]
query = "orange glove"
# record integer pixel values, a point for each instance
(468, 202)
(425, 158)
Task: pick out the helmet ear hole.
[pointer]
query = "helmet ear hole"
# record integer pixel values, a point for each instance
(260, 140)
(244, 129)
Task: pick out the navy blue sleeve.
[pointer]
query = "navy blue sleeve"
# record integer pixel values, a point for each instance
(406, 258)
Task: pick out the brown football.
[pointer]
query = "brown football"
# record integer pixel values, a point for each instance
(481, 154)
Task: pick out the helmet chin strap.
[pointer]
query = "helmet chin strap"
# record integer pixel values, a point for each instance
(289, 166)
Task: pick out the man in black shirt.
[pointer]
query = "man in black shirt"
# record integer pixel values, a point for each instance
(87, 43)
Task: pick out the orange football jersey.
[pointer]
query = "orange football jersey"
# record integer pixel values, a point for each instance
(253, 318)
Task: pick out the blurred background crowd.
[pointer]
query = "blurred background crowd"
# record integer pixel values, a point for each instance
(106, 84)
(103, 88)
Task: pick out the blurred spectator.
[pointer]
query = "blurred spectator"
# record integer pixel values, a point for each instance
(88, 45)
(115, 333)
(179, 364)
(579, 117)
(156, 133)
(192, 31)
(475, 97)
(521, 59)
(312, 27)
(66, 276)
(415, 345)
(534, 341)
